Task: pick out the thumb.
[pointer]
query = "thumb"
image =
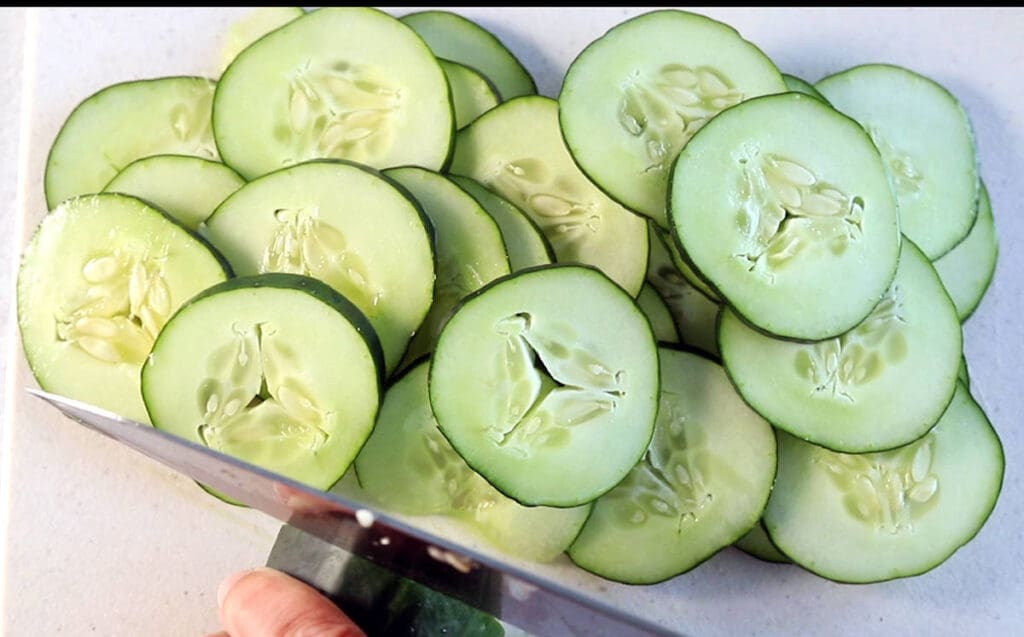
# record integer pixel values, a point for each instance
(268, 603)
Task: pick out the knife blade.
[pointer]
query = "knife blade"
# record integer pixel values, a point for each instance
(502, 589)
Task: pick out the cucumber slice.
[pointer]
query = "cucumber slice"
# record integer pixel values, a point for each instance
(967, 269)
(472, 93)
(289, 375)
(758, 544)
(339, 82)
(548, 369)
(634, 97)
(455, 38)
(254, 26)
(409, 467)
(524, 241)
(470, 250)
(187, 188)
(341, 223)
(772, 215)
(98, 280)
(684, 267)
(876, 517)
(517, 151)
(798, 85)
(657, 312)
(702, 484)
(881, 385)
(124, 122)
(963, 374)
(927, 143)
(694, 313)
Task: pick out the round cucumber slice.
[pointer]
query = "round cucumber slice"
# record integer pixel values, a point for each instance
(407, 465)
(98, 280)
(758, 544)
(341, 223)
(635, 96)
(472, 93)
(187, 188)
(339, 82)
(966, 270)
(702, 484)
(456, 38)
(777, 200)
(517, 151)
(656, 310)
(524, 241)
(470, 251)
(927, 144)
(875, 517)
(541, 373)
(798, 85)
(124, 122)
(278, 370)
(879, 386)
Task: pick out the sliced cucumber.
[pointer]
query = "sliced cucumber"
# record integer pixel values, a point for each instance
(694, 313)
(470, 250)
(524, 241)
(187, 188)
(656, 310)
(925, 138)
(546, 382)
(875, 517)
(634, 97)
(341, 223)
(124, 122)
(683, 266)
(339, 82)
(773, 215)
(517, 151)
(757, 543)
(881, 385)
(963, 374)
(797, 85)
(967, 269)
(456, 38)
(408, 466)
(472, 93)
(702, 484)
(99, 279)
(278, 370)
(254, 26)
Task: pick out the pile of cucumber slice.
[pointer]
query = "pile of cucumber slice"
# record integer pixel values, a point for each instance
(690, 303)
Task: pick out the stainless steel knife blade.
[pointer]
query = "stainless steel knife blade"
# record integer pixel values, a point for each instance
(513, 594)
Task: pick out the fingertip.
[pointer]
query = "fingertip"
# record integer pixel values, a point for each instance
(228, 583)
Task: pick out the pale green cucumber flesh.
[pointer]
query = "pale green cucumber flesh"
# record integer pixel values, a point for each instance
(185, 187)
(470, 250)
(879, 386)
(543, 370)
(408, 466)
(927, 144)
(634, 97)
(254, 26)
(339, 82)
(98, 281)
(875, 517)
(472, 93)
(758, 544)
(524, 241)
(771, 217)
(278, 370)
(797, 85)
(454, 37)
(701, 485)
(517, 151)
(656, 310)
(341, 223)
(124, 122)
(967, 270)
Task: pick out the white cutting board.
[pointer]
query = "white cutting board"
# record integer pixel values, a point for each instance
(98, 540)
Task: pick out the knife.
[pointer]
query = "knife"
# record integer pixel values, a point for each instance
(337, 532)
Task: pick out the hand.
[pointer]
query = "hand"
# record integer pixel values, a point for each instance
(267, 603)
